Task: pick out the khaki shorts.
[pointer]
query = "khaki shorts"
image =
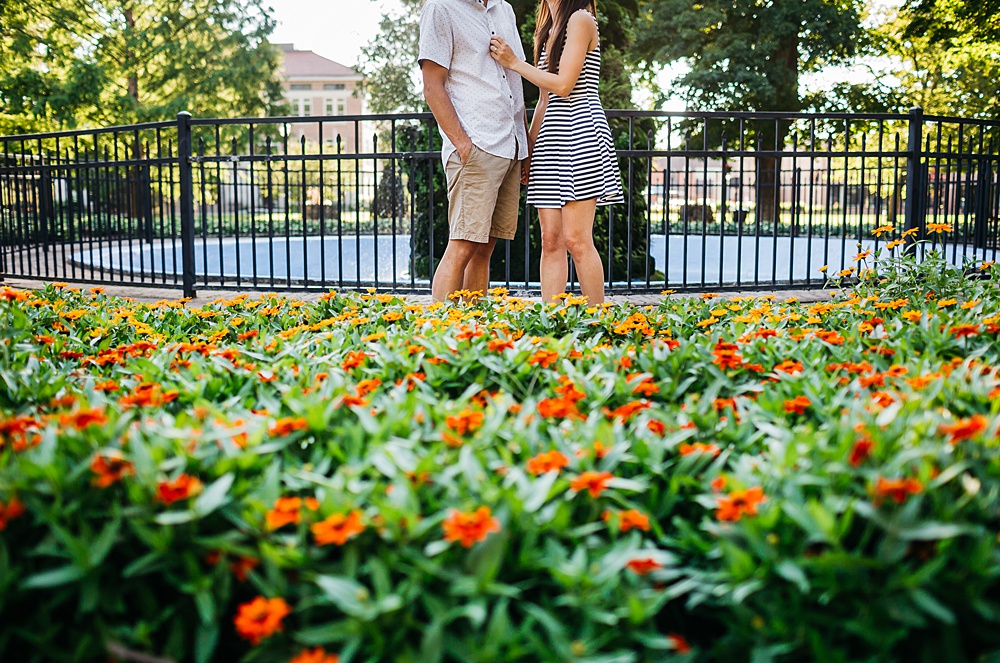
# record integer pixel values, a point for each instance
(483, 196)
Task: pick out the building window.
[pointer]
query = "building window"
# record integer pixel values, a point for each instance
(334, 86)
(306, 107)
(301, 86)
(335, 106)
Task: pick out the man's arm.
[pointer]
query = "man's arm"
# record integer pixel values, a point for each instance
(434, 76)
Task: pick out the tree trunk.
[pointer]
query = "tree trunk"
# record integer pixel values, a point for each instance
(771, 134)
(131, 66)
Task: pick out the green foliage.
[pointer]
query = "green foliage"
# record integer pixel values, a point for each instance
(109, 62)
(389, 63)
(406, 413)
(747, 55)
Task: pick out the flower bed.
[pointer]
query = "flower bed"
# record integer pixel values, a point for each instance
(706, 479)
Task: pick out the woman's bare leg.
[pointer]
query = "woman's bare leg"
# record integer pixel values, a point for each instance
(554, 266)
(578, 236)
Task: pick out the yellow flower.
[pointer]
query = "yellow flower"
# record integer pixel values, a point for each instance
(942, 303)
(939, 227)
(881, 230)
(910, 232)
(912, 316)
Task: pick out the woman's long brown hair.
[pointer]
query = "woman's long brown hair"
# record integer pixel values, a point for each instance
(546, 24)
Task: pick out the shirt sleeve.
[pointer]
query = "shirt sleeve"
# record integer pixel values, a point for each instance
(435, 35)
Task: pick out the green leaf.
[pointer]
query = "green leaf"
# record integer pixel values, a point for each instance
(930, 605)
(349, 595)
(61, 576)
(213, 497)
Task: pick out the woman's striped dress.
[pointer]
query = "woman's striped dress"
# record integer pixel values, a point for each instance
(574, 155)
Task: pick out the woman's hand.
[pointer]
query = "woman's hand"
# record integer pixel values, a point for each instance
(502, 53)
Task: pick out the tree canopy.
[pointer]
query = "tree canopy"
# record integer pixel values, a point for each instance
(68, 63)
(747, 54)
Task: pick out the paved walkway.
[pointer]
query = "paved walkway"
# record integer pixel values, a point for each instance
(206, 296)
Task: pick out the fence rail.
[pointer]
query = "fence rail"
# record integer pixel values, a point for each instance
(713, 200)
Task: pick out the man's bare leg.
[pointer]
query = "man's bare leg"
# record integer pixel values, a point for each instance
(450, 273)
(477, 272)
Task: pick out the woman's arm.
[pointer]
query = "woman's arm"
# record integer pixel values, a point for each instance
(581, 32)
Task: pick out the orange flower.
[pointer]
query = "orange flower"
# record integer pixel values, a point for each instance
(147, 394)
(338, 528)
(550, 461)
(643, 565)
(317, 655)
(897, 489)
(600, 451)
(242, 566)
(594, 482)
(108, 385)
(679, 643)
(790, 367)
(627, 411)
(568, 390)
(961, 331)
(499, 345)
(287, 426)
(8, 512)
(181, 488)
(465, 421)
(964, 429)
(260, 618)
(718, 483)
(109, 468)
(797, 405)
(646, 388)
(543, 358)
(630, 519)
(469, 527)
(700, 448)
(739, 503)
(558, 408)
(287, 510)
(860, 452)
(656, 427)
(726, 355)
(247, 335)
(353, 360)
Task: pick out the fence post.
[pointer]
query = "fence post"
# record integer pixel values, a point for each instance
(915, 186)
(186, 202)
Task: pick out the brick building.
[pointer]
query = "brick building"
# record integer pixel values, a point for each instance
(319, 88)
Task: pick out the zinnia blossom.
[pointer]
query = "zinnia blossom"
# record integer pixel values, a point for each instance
(629, 519)
(470, 527)
(549, 461)
(287, 425)
(338, 528)
(964, 429)
(109, 468)
(860, 452)
(644, 565)
(8, 512)
(593, 482)
(739, 503)
(558, 408)
(286, 511)
(679, 643)
(543, 358)
(260, 618)
(465, 421)
(317, 655)
(726, 355)
(699, 448)
(897, 489)
(797, 405)
(181, 488)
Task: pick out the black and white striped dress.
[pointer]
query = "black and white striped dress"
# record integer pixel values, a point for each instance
(574, 155)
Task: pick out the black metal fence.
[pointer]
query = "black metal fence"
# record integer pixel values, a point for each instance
(714, 201)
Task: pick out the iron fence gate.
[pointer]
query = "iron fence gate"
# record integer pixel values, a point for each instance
(713, 201)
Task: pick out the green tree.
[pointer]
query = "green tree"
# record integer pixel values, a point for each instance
(749, 55)
(75, 63)
(388, 63)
